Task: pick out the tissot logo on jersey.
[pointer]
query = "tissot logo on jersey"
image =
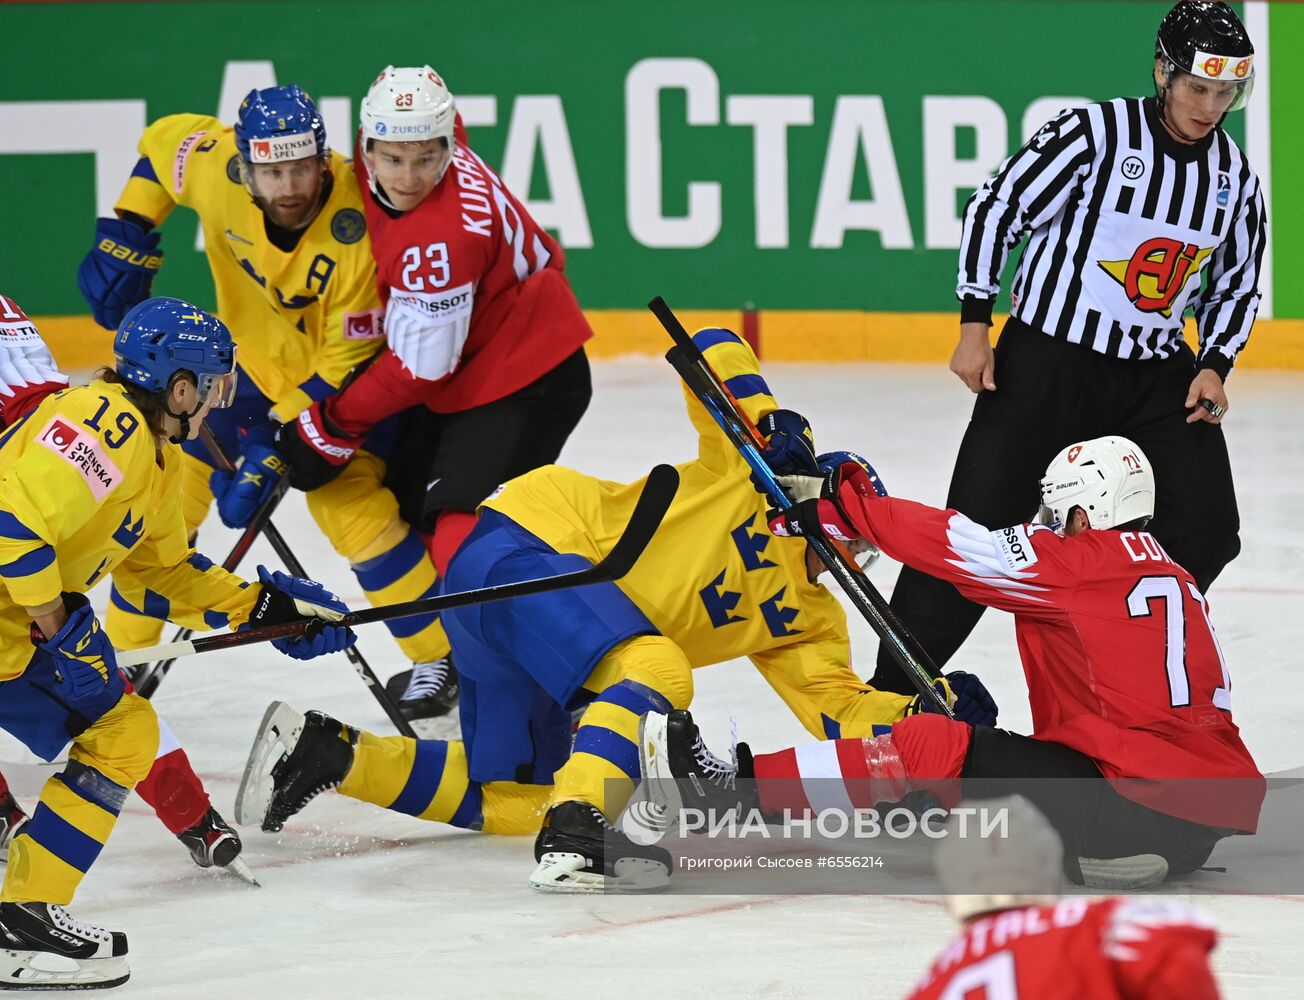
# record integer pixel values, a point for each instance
(1154, 276)
(445, 306)
(1015, 549)
(84, 453)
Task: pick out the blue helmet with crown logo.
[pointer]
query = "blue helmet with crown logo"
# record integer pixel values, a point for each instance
(164, 337)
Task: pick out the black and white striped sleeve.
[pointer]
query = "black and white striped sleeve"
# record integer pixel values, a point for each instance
(1229, 301)
(1026, 192)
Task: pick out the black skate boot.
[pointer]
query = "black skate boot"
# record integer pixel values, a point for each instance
(42, 947)
(427, 691)
(12, 820)
(679, 772)
(579, 851)
(214, 844)
(294, 759)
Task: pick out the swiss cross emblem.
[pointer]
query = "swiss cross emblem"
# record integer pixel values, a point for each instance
(1074, 452)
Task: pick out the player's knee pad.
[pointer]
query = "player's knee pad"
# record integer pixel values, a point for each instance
(653, 661)
(122, 743)
(356, 512)
(196, 496)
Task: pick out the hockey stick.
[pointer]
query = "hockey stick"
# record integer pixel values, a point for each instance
(653, 502)
(706, 385)
(151, 677)
(291, 562)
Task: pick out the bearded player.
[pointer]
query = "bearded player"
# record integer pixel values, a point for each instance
(287, 245)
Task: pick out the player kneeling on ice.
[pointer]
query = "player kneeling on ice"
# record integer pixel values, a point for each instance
(1018, 937)
(714, 584)
(1129, 692)
(90, 485)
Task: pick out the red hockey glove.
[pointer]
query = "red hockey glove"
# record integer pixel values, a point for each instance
(314, 448)
(822, 498)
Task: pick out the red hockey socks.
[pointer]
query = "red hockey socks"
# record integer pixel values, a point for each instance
(451, 529)
(172, 789)
(924, 752)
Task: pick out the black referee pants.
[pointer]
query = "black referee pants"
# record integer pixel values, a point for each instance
(1049, 394)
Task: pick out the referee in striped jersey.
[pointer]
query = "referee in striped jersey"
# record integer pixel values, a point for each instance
(1136, 210)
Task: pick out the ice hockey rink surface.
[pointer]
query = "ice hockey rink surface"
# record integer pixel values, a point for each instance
(360, 902)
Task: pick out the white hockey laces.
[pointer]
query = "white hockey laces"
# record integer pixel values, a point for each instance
(427, 680)
(721, 773)
(65, 921)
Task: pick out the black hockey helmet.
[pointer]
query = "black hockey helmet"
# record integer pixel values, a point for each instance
(1207, 40)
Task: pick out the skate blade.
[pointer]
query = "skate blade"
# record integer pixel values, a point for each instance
(563, 872)
(1142, 871)
(658, 787)
(439, 727)
(242, 871)
(41, 970)
(277, 735)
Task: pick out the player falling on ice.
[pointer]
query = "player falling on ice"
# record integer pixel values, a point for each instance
(172, 788)
(713, 585)
(287, 244)
(1019, 939)
(484, 336)
(1127, 683)
(90, 484)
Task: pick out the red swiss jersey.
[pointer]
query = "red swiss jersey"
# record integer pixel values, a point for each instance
(27, 371)
(470, 281)
(1078, 949)
(1120, 656)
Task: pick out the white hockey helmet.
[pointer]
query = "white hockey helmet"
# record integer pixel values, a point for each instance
(408, 104)
(1017, 863)
(1109, 477)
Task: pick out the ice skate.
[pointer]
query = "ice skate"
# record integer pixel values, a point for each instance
(428, 691)
(1141, 871)
(680, 772)
(214, 844)
(579, 851)
(294, 759)
(43, 947)
(12, 820)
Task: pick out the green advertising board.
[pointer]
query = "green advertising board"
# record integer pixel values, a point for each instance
(793, 156)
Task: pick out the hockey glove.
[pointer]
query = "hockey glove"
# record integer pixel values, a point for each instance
(243, 490)
(315, 450)
(846, 476)
(790, 446)
(86, 677)
(286, 598)
(966, 696)
(119, 270)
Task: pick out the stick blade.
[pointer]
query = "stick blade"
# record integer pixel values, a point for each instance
(653, 503)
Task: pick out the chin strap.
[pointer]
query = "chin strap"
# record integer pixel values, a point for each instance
(183, 416)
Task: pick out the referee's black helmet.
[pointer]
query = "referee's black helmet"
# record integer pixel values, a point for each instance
(1207, 40)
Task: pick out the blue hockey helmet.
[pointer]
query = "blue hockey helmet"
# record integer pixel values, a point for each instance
(866, 552)
(163, 337)
(830, 460)
(279, 124)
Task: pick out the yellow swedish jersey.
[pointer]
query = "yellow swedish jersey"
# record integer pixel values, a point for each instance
(714, 579)
(84, 492)
(302, 318)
